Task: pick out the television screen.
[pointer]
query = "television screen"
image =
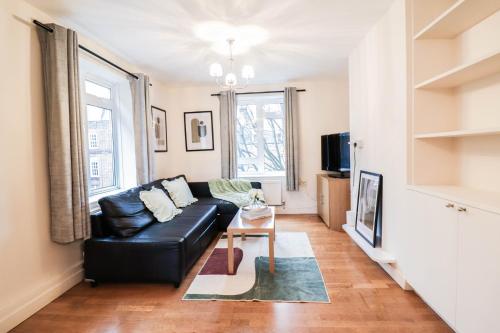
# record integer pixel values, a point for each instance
(335, 152)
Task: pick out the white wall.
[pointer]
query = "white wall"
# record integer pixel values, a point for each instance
(378, 116)
(323, 109)
(33, 270)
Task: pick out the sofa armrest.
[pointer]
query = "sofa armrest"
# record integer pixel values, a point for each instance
(98, 225)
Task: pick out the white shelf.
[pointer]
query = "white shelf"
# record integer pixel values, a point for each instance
(375, 254)
(460, 17)
(484, 200)
(459, 133)
(465, 73)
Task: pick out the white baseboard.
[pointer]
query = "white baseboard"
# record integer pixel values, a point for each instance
(396, 275)
(15, 313)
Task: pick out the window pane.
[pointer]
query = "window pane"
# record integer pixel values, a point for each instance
(273, 109)
(101, 156)
(97, 90)
(274, 138)
(246, 129)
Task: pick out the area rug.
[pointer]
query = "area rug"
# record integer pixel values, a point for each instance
(297, 276)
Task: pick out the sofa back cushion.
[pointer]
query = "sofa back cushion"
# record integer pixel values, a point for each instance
(125, 213)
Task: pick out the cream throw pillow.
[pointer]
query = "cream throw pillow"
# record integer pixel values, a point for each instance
(159, 204)
(179, 191)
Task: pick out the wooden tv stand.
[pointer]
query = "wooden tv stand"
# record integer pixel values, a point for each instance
(334, 200)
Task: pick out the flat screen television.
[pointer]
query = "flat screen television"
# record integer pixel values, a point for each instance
(335, 153)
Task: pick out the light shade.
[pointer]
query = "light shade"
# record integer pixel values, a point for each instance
(247, 72)
(216, 70)
(231, 79)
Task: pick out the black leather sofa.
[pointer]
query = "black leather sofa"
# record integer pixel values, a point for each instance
(129, 244)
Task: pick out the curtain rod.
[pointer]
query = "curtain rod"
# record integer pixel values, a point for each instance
(49, 29)
(260, 92)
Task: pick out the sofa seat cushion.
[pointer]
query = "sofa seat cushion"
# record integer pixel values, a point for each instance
(188, 227)
(224, 207)
(125, 213)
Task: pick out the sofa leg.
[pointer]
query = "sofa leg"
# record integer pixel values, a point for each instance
(177, 284)
(94, 284)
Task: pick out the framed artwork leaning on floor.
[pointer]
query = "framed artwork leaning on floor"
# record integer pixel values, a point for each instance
(369, 208)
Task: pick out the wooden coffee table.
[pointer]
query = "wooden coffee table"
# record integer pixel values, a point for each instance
(243, 226)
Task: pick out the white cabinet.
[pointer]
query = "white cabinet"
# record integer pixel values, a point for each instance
(433, 252)
(453, 261)
(478, 290)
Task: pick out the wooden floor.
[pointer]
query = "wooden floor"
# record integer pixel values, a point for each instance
(364, 299)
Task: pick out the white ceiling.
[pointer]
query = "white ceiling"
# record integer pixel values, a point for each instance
(307, 38)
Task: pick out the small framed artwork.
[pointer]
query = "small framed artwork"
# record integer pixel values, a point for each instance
(160, 129)
(369, 208)
(198, 131)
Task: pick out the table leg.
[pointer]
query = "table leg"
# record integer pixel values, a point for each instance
(243, 236)
(230, 253)
(271, 251)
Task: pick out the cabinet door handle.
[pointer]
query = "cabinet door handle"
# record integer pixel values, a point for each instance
(462, 209)
(450, 205)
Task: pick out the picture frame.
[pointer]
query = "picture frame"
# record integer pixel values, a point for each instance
(369, 208)
(159, 117)
(198, 131)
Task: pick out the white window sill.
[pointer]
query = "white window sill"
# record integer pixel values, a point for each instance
(261, 176)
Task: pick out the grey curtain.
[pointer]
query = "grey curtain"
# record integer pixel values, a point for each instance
(69, 204)
(292, 139)
(143, 129)
(227, 100)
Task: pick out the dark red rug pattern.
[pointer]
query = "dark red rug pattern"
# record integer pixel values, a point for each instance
(217, 262)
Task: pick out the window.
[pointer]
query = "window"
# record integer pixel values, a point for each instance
(260, 133)
(107, 101)
(93, 144)
(94, 167)
(103, 158)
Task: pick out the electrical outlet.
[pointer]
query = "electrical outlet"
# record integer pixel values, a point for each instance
(359, 144)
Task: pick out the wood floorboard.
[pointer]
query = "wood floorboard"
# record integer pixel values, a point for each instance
(364, 299)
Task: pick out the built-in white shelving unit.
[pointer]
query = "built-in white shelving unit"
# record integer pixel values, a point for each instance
(455, 139)
(453, 197)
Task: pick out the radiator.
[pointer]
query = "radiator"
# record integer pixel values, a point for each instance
(273, 190)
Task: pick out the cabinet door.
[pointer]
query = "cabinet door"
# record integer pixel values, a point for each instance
(324, 200)
(431, 263)
(478, 292)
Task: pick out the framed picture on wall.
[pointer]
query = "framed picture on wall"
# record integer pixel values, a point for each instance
(198, 131)
(160, 129)
(369, 207)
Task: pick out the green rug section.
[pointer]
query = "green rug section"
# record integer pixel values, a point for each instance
(295, 279)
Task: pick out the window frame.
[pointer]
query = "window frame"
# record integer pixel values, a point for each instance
(111, 104)
(259, 100)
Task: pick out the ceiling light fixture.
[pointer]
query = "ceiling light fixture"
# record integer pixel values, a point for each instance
(231, 80)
